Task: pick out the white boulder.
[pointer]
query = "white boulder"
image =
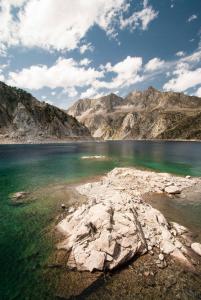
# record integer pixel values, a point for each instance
(167, 247)
(172, 189)
(196, 247)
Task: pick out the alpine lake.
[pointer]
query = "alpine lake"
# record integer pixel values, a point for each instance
(43, 170)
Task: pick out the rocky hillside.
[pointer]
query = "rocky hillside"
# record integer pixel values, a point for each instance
(25, 119)
(150, 114)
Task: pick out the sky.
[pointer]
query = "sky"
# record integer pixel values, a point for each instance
(64, 50)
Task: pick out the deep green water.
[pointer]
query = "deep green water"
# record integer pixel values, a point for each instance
(24, 248)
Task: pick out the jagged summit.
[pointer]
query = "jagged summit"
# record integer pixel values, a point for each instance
(148, 114)
(105, 103)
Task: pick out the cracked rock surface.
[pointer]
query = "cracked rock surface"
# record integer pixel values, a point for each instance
(116, 225)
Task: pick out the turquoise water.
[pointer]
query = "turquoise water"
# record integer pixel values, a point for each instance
(24, 248)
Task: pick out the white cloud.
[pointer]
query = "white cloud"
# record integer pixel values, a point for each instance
(198, 92)
(63, 24)
(3, 50)
(184, 78)
(90, 93)
(4, 66)
(154, 64)
(15, 3)
(85, 62)
(59, 25)
(72, 92)
(191, 18)
(65, 73)
(141, 18)
(195, 57)
(69, 74)
(180, 53)
(86, 47)
(126, 73)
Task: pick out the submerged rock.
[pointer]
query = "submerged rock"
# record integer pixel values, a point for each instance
(19, 198)
(19, 195)
(118, 226)
(99, 157)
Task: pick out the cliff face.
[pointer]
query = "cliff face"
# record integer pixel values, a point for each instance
(150, 114)
(25, 119)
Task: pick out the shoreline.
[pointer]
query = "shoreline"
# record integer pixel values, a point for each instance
(10, 142)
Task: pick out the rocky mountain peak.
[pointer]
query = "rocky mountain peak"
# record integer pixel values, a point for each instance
(105, 103)
(23, 118)
(142, 114)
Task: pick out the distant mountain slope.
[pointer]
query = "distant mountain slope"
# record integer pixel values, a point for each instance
(25, 119)
(150, 114)
(105, 103)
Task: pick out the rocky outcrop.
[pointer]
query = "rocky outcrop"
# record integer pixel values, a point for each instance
(25, 119)
(116, 225)
(150, 114)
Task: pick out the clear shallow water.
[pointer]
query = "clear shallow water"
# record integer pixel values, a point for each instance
(23, 246)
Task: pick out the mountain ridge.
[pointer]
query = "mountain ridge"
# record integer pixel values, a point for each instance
(23, 118)
(149, 114)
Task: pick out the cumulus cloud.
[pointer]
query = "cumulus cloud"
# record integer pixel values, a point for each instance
(184, 78)
(65, 73)
(3, 50)
(69, 75)
(85, 62)
(180, 53)
(186, 73)
(141, 18)
(86, 47)
(51, 24)
(195, 57)
(63, 24)
(90, 93)
(72, 92)
(154, 64)
(126, 73)
(192, 18)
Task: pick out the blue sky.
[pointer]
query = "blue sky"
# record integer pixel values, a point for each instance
(64, 50)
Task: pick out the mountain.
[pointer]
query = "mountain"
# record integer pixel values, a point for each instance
(106, 103)
(25, 119)
(148, 114)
